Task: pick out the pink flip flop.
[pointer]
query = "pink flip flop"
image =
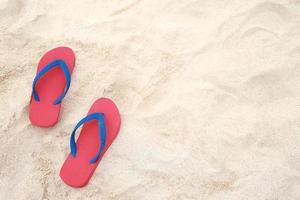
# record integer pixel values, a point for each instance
(100, 128)
(50, 86)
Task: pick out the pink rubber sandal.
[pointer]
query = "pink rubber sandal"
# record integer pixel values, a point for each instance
(100, 128)
(50, 86)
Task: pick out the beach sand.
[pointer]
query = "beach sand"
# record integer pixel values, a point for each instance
(209, 94)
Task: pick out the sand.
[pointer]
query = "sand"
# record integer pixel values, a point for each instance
(209, 93)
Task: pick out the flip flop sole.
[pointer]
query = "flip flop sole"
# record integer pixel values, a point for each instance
(50, 87)
(77, 171)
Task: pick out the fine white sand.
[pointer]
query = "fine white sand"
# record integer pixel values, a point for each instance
(209, 93)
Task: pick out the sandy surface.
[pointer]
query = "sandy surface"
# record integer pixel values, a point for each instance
(209, 93)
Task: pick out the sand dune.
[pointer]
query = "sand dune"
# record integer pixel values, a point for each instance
(209, 93)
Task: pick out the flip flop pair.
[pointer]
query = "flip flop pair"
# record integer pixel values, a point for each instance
(99, 128)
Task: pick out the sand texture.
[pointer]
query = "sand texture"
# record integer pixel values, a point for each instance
(209, 93)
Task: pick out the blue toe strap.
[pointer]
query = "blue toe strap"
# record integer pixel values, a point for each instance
(102, 133)
(48, 67)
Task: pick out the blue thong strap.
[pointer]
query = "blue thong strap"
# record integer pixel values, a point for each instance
(48, 67)
(102, 133)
